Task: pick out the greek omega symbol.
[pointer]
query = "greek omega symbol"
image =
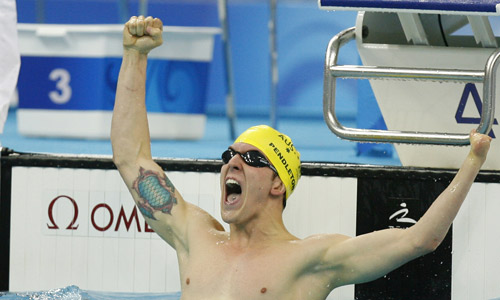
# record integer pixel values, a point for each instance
(71, 225)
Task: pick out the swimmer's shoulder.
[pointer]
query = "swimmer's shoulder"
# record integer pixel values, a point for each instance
(325, 238)
(200, 219)
(318, 244)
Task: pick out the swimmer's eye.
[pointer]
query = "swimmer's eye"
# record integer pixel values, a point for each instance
(252, 158)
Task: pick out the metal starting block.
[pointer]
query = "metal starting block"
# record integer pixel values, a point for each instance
(461, 7)
(415, 42)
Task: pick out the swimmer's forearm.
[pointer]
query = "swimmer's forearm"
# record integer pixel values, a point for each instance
(432, 228)
(129, 128)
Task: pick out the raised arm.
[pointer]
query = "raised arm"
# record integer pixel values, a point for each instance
(129, 129)
(370, 256)
(158, 200)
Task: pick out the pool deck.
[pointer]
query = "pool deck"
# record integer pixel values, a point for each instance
(310, 135)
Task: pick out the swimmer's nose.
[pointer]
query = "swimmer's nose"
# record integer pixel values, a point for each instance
(235, 163)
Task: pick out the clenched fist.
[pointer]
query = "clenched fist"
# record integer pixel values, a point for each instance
(142, 34)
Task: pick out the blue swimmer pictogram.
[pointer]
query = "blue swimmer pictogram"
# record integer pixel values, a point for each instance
(471, 90)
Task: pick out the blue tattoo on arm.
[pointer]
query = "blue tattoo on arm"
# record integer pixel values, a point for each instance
(156, 193)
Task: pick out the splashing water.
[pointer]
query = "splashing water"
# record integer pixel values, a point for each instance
(75, 293)
(67, 293)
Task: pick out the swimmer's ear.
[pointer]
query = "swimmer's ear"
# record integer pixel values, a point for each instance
(278, 188)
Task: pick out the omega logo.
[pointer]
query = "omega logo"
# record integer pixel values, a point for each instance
(71, 225)
(104, 208)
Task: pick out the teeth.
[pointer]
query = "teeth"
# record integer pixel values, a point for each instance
(232, 187)
(232, 181)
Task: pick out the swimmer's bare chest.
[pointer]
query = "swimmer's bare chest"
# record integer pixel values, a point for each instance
(222, 273)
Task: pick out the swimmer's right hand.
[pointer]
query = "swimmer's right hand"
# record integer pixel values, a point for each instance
(142, 34)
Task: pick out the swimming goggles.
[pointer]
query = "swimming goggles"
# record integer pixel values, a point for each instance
(252, 158)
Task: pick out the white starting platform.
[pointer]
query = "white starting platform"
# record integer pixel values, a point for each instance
(69, 73)
(432, 66)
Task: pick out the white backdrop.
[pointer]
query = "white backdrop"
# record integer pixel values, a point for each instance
(116, 253)
(132, 260)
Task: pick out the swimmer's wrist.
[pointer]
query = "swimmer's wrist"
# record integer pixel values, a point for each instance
(134, 50)
(132, 53)
(474, 162)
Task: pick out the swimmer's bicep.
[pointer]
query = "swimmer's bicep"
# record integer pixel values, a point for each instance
(159, 202)
(368, 257)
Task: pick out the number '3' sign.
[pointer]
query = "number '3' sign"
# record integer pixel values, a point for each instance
(63, 93)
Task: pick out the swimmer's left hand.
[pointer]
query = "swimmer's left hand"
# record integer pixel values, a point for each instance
(480, 144)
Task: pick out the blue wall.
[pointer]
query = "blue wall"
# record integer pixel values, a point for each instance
(303, 34)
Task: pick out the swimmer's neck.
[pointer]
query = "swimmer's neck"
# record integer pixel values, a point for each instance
(258, 233)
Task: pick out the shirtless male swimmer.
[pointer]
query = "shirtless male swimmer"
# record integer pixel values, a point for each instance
(258, 258)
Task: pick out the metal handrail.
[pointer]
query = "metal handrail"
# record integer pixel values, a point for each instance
(273, 58)
(333, 71)
(228, 64)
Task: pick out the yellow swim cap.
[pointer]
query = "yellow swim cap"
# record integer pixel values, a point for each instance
(280, 151)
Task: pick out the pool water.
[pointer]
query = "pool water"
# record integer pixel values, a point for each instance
(75, 293)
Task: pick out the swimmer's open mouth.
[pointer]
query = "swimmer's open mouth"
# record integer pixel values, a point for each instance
(233, 190)
(232, 187)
